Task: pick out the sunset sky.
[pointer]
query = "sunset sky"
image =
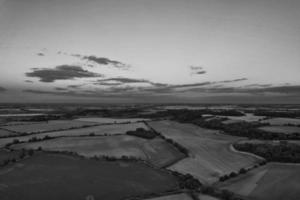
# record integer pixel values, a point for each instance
(127, 51)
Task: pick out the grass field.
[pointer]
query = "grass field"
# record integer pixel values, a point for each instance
(173, 197)
(210, 152)
(98, 130)
(281, 129)
(249, 117)
(54, 176)
(5, 133)
(282, 121)
(155, 151)
(104, 120)
(271, 182)
(48, 126)
(4, 155)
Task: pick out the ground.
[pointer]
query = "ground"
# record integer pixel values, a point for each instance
(155, 151)
(271, 182)
(210, 152)
(98, 130)
(59, 177)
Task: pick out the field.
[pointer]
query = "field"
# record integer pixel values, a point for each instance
(5, 133)
(4, 155)
(271, 182)
(281, 129)
(54, 176)
(210, 152)
(282, 121)
(104, 120)
(155, 151)
(98, 130)
(249, 117)
(173, 197)
(48, 126)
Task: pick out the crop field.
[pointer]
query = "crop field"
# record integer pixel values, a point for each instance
(173, 197)
(97, 130)
(271, 182)
(249, 117)
(281, 129)
(210, 152)
(206, 197)
(104, 120)
(54, 176)
(5, 133)
(48, 126)
(155, 151)
(282, 121)
(4, 155)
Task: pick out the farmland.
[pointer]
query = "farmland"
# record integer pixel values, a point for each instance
(281, 129)
(155, 151)
(104, 120)
(210, 153)
(282, 121)
(6, 133)
(271, 182)
(97, 130)
(6, 155)
(173, 197)
(48, 126)
(249, 117)
(54, 176)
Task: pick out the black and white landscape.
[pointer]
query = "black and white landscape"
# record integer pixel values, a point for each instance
(149, 99)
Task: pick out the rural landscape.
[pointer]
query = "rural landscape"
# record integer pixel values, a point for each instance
(149, 152)
(149, 100)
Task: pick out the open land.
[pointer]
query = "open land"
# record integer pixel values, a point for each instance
(155, 151)
(271, 182)
(97, 130)
(210, 153)
(53, 176)
(281, 129)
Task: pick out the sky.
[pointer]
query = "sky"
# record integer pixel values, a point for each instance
(154, 51)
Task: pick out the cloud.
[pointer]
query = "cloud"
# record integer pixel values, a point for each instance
(60, 89)
(291, 89)
(234, 80)
(102, 61)
(75, 86)
(284, 90)
(122, 80)
(40, 54)
(29, 81)
(62, 72)
(258, 85)
(2, 89)
(197, 70)
(125, 80)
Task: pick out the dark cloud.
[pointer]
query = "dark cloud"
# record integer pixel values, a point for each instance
(40, 54)
(2, 89)
(191, 85)
(62, 72)
(108, 83)
(291, 90)
(60, 89)
(102, 61)
(258, 85)
(75, 86)
(197, 70)
(29, 81)
(125, 80)
(122, 80)
(234, 80)
(200, 72)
